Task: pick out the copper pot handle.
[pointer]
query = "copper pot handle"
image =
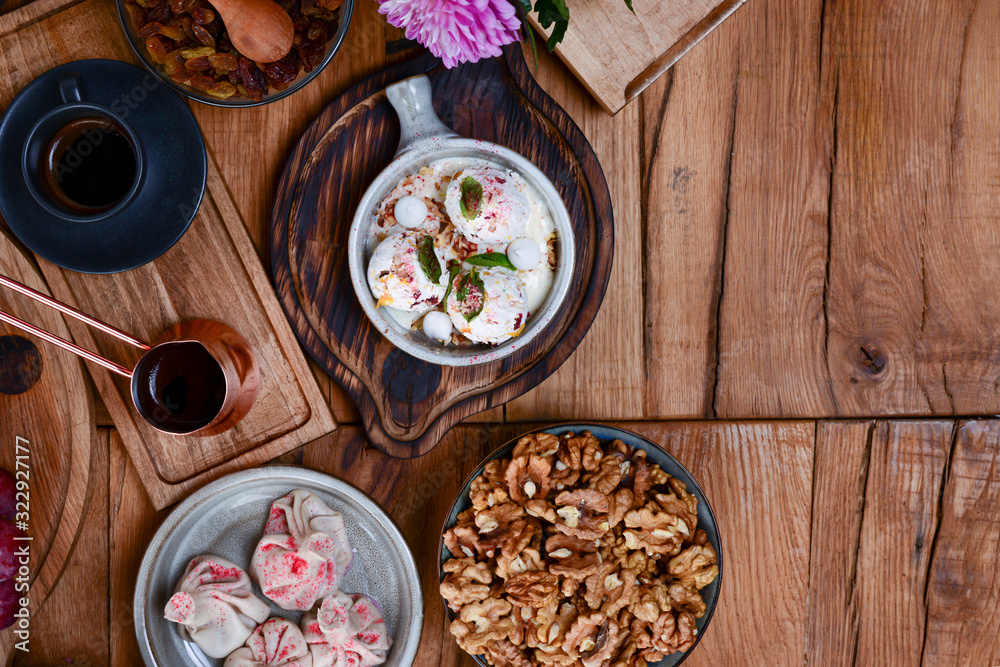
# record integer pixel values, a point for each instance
(75, 314)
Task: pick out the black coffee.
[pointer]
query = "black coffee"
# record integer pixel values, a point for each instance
(90, 165)
(182, 389)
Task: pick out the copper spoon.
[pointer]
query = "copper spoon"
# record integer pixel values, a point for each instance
(259, 29)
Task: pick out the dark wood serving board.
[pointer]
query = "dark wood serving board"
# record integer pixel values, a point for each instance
(407, 405)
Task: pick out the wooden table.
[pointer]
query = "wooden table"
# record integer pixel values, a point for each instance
(807, 243)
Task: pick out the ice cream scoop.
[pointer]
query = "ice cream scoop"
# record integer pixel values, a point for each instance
(406, 272)
(488, 204)
(488, 306)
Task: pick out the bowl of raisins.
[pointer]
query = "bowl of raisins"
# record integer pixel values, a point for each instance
(185, 43)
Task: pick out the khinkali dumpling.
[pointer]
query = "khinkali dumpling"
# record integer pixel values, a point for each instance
(304, 553)
(346, 631)
(276, 642)
(215, 606)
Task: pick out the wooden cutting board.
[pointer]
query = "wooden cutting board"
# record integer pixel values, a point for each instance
(46, 431)
(615, 54)
(407, 404)
(213, 272)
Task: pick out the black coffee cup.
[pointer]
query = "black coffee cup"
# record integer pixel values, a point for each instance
(82, 161)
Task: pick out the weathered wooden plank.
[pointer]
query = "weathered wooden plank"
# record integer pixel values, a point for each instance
(958, 350)
(604, 379)
(132, 522)
(963, 588)
(687, 134)
(758, 478)
(912, 227)
(898, 524)
(843, 451)
(771, 358)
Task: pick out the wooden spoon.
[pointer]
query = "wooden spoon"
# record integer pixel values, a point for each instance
(259, 29)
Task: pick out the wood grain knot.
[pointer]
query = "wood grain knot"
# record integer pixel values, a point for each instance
(20, 365)
(409, 379)
(871, 360)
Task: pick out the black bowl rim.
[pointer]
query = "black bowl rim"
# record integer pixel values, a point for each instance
(710, 611)
(346, 14)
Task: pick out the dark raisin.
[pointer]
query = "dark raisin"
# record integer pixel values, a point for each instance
(254, 80)
(317, 31)
(160, 14)
(149, 30)
(283, 71)
(202, 15)
(201, 82)
(201, 64)
(202, 36)
(311, 54)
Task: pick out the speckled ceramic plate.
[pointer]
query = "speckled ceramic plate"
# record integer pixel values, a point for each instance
(655, 454)
(227, 518)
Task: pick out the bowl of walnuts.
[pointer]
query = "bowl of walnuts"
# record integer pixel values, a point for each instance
(584, 545)
(186, 45)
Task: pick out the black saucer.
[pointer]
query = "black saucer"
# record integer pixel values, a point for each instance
(163, 208)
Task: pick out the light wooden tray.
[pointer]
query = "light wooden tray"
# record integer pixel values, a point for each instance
(213, 272)
(615, 54)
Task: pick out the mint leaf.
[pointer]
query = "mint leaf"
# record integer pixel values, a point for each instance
(553, 13)
(471, 294)
(463, 288)
(428, 259)
(628, 3)
(454, 266)
(472, 198)
(491, 259)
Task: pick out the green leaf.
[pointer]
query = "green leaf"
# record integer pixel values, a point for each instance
(491, 259)
(472, 198)
(454, 266)
(553, 13)
(428, 259)
(628, 3)
(469, 281)
(523, 7)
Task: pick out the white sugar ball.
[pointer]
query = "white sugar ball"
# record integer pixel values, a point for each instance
(437, 325)
(410, 211)
(524, 254)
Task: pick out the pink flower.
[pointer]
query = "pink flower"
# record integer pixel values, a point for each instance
(456, 31)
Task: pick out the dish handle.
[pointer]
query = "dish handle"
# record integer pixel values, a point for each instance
(411, 98)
